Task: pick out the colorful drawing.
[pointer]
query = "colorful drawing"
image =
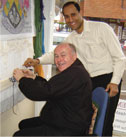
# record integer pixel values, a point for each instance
(0, 6)
(14, 13)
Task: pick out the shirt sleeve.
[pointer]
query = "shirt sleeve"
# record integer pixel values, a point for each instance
(113, 45)
(60, 85)
(33, 88)
(47, 58)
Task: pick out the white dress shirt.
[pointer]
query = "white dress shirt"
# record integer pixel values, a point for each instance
(99, 50)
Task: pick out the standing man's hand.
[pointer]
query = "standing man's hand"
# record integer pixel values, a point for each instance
(113, 88)
(31, 62)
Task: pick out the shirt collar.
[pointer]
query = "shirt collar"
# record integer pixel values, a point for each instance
(86, 27)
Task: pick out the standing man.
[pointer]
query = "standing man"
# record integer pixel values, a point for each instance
(68, 95)
(99, 50)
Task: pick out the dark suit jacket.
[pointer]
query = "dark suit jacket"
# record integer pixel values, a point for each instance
(68, 95)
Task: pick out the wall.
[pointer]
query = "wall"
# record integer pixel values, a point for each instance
(104, 8)
(9, 121)
(13, 53)
(15, 48)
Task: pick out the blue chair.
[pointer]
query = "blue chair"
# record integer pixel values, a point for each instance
(100, 99)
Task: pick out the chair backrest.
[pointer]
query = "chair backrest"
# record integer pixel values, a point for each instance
(100, 98)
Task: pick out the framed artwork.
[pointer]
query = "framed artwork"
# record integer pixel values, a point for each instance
(16, 19)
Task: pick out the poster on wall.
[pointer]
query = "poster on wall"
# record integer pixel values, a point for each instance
(16, 19)
(120, 117)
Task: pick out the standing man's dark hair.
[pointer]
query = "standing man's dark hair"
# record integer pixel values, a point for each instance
(69, 3)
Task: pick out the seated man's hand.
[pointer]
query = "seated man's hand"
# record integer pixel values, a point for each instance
(31, 62)
(28, 73)
(18, 74)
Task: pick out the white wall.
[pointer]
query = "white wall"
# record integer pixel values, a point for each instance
(13, 53)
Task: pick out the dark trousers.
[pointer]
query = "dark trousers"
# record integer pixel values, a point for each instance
(102, 81)
(36, 127)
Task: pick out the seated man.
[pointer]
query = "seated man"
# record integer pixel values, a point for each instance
(68, 95)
